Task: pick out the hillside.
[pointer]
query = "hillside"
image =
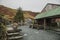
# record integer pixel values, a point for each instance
(11, 12)
(7, 11)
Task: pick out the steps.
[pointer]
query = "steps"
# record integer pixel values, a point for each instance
(14, 35)
(53, 31)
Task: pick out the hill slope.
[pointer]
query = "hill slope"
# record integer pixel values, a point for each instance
(11, 12)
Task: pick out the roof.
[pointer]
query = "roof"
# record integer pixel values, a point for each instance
(49, 13)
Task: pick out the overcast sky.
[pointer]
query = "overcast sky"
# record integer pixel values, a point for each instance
(32, 5)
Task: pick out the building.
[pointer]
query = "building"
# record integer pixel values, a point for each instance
(50, 16)
(49, 6)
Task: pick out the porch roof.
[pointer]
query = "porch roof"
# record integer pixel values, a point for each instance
(53, 12)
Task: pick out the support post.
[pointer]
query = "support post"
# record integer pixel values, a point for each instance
(44, 24)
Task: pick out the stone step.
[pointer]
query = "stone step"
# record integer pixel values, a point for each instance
(17, 37)
(57, 30)
(13, 33)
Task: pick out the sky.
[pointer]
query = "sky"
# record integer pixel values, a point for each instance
(30, 5)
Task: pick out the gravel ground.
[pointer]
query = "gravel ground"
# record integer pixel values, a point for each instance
(33, 34)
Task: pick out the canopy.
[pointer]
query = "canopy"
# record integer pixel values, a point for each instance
(49, 13)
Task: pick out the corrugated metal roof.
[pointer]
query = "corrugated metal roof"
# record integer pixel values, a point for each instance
(49, 13)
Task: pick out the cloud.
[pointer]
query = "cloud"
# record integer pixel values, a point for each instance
(0, 2)
(33, 5)
(11, 3)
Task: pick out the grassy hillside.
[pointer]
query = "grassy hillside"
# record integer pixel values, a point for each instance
(11, 12)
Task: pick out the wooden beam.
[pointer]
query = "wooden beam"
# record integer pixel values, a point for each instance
(44, 24)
